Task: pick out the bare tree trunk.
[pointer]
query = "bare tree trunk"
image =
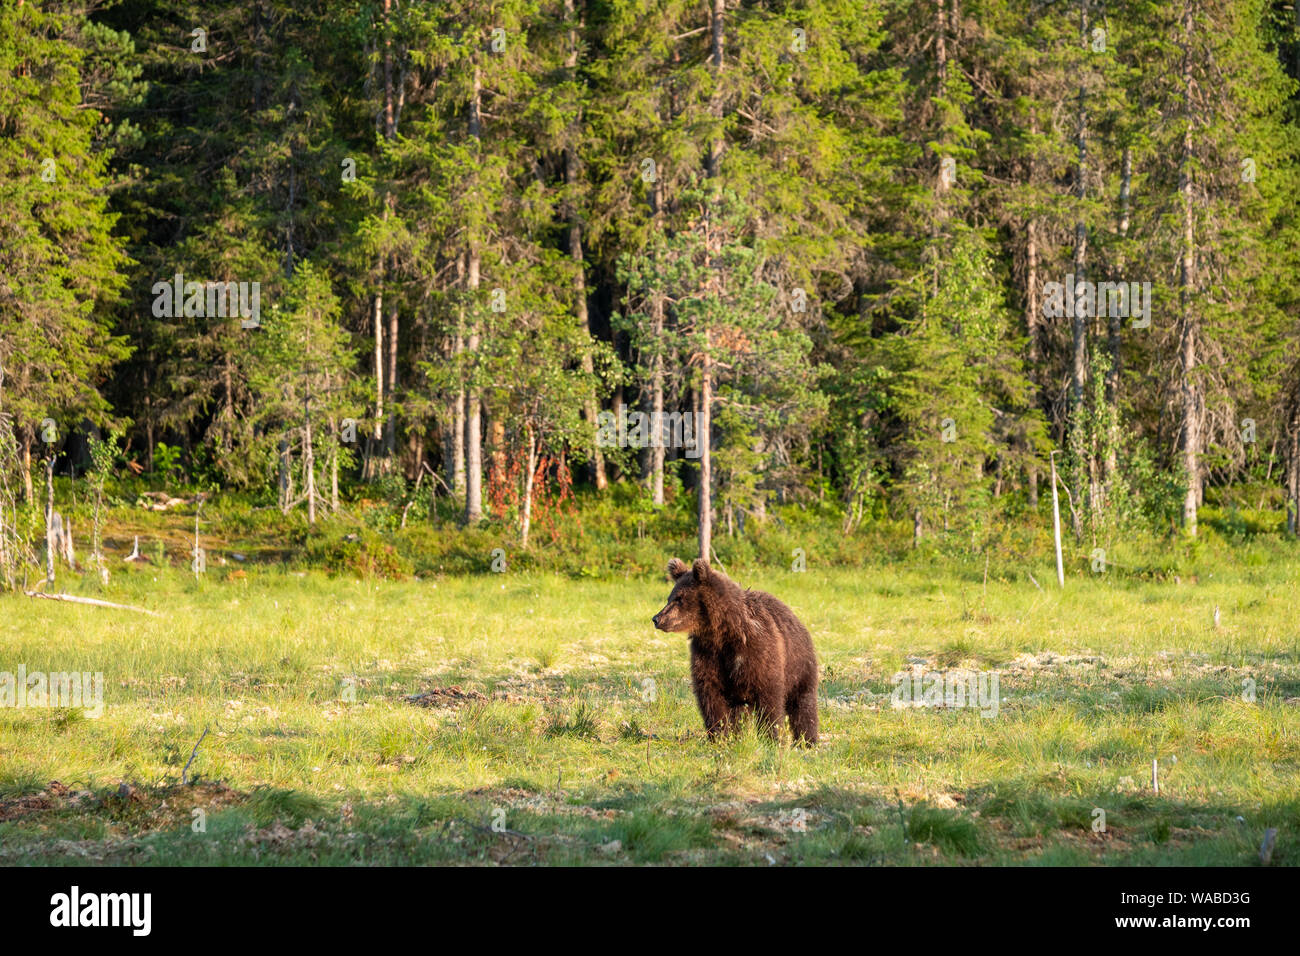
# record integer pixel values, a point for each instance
(702, 426)
(334, 474)
(703, 421)
(1187, 279)
(1033, 315)
(228, 409)
(716, 20)
(286, 476)
(390, 388)
(1079, 325)
(372, 458)
(1113, 339)
(454, 444)
(496, 443)
(473, 402)
(1033, 302)
(29, 493)
(657, 367)
(590, 406)
(457, 470)
(527, 519)
(49, 519)
(309, 462)
(390, 133)
(1082, 454)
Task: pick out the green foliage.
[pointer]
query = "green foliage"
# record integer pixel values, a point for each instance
(848, 211)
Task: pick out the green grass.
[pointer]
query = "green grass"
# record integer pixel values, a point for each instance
(558, 727)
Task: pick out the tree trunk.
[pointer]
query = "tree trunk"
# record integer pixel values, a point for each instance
(1033, 303)
(390, 388)
(590, 407)
(1113, 339)
(1082, 454)
(454, 444)
(1033, 307)
(372, 458)
(334, 474)
(716, 50)
(49, 520)
(228, 409)
(657, 370)
(496, 429)
(456, 471)
(1187, 279)
(309, 462)
(1079, 324)
(527, 519)
(286, 476)
(703, 421)
(29, 493)
(702, 426)
(473, 403)
(379, 461)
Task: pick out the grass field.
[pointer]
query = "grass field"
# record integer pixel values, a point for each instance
(551, 724)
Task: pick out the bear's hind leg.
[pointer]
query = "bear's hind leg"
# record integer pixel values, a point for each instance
(770, 714)
(803, 716)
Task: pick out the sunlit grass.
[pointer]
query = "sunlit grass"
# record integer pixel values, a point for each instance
(572, 735)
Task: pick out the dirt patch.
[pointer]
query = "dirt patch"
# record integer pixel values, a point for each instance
(452, 696)
(54, 797)
(457, 696)
(159, 808)
(541, 803)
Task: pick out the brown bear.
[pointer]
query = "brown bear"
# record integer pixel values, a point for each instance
(748, 650)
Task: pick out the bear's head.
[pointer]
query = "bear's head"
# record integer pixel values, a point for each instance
(685, 609)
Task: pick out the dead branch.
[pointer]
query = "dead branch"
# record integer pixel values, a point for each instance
(92, 601)
(193, 753)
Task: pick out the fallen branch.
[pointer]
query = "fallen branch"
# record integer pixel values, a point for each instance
(92, 601)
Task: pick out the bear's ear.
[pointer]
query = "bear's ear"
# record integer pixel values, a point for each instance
(676, 568)
(702, 570)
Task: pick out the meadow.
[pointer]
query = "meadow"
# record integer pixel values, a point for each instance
(528, 717)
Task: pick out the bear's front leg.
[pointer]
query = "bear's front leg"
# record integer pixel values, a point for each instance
(706, 678)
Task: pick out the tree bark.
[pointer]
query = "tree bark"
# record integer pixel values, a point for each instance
(372, 460)
(473, 403)
(527, 519)
(1187, 280)
(390, 387)
(49, 519)
(1082, 453)
(29, 492)
(704, 419)
(591, 407)
(309, 461)
(657, 368)
(1113, 339)
(702, 425)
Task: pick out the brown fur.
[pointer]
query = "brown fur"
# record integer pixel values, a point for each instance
(748, 650)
